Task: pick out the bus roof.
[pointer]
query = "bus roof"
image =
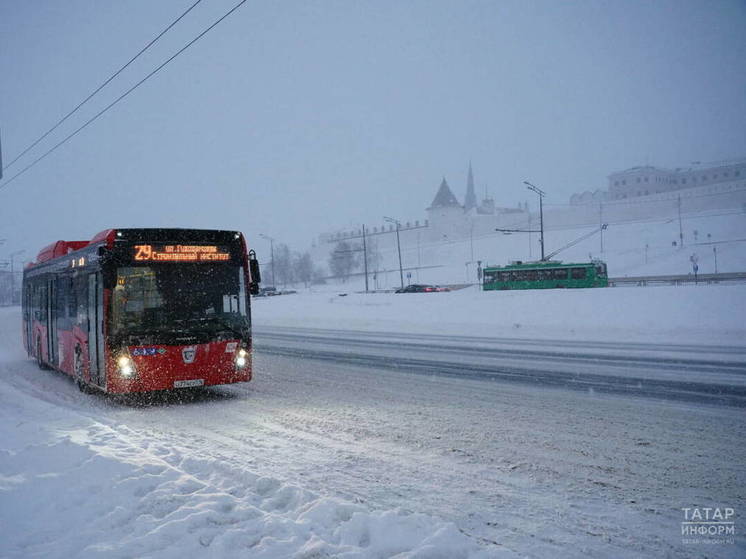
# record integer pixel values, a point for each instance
(107, 237)
(542, 264)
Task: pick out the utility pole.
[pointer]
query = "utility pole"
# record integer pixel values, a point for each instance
(398, 247)
(601, 222)
(681, 229)
(541, 194)
(272, 253)
(715, 252)
(419, 257)
(365, 259)
(471, 241)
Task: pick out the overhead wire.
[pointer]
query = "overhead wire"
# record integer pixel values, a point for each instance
(100, 87)
(125, 94)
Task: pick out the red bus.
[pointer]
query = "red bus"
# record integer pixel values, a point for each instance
(136, 310)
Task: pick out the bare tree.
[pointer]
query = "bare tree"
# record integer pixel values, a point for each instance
(343, 259)
(304, 268)
(319, 275)
(284, 269)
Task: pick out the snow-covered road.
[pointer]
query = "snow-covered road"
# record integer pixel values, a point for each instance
(322, 456)
(707, 374)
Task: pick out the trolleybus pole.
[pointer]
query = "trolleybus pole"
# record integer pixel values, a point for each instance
(541, 194)
(398, 247)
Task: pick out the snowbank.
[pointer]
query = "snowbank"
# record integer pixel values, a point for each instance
(73, 487)
(703, 314)
(76, 481)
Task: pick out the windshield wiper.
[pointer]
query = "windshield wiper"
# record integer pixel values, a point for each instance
(224, 323)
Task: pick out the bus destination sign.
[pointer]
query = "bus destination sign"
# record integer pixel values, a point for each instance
(180, 253)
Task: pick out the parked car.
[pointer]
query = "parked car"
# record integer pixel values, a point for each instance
(421, 288)
(267, 292)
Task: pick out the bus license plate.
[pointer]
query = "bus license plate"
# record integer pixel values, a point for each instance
(189, 383)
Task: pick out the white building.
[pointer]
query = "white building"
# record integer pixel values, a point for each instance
(647, 180)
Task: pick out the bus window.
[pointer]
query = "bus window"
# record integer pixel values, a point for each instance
(559, 274)
(578, 273)
(163, 298)
(81, 294)
(72, 299)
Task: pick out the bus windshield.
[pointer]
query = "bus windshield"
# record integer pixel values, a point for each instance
(205, 299)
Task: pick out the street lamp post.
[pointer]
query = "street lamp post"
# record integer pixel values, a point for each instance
(541, 194)
(365, 259)
(398, 247)
(272, 254)
(715, 252)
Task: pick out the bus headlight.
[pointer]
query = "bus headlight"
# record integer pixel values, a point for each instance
(242, 358)
(126, 366)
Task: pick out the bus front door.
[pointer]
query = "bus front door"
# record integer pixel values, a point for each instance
(51, 323)
(28, 316)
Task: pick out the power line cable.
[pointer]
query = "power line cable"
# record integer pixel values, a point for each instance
(99, 88)
(125, 94)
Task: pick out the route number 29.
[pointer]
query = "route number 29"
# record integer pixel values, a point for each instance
(144, 252)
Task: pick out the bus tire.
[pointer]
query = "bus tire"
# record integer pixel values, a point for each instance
(78, 366)
(43, 366)
(83, 386)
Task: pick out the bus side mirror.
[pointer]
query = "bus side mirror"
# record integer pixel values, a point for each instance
(256, 276)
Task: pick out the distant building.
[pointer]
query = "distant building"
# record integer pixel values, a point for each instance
(648, 181)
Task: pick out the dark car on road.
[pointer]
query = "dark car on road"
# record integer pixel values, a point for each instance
(421, 288)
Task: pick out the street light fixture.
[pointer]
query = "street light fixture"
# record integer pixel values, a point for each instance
(541, 194)
(272, 254)
(398, 246)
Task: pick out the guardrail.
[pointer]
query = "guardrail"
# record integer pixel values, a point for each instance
(732, 277)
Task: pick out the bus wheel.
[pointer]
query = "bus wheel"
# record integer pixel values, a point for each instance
(43, 366)
(78, 365)
(83, 387)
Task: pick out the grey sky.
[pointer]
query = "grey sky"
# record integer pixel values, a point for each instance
(293, 118)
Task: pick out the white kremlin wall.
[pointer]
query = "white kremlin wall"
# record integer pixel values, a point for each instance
(639, 240)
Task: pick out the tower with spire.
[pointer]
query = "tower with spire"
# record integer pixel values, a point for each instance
(444, 197)
(470, 201)
(445, 215)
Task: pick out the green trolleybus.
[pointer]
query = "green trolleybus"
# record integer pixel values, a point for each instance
(545, 275)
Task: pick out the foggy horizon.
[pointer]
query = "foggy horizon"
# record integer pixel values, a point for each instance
(296, 119)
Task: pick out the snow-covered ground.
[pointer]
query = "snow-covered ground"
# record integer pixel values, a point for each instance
(702, 314)
(316, 458)
(79, 479)
(633, 248)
